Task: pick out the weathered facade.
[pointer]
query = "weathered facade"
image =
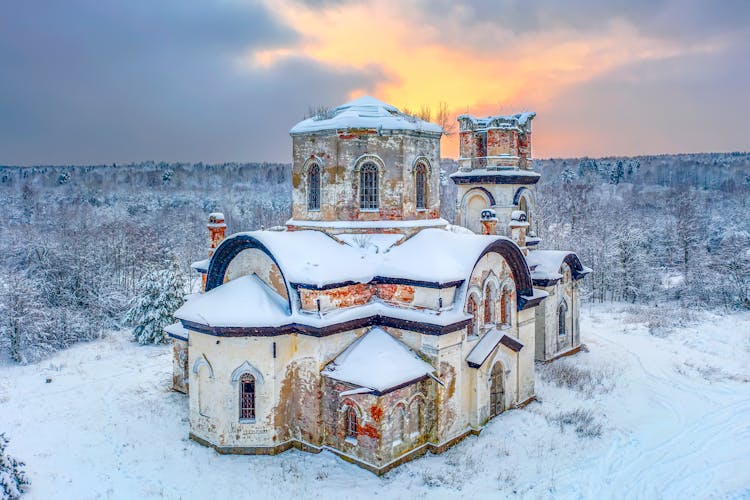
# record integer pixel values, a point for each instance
(369, 326)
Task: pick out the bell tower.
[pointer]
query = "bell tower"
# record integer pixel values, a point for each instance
(494, 171)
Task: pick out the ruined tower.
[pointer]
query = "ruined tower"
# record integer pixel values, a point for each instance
(363, 166)
(494, 170)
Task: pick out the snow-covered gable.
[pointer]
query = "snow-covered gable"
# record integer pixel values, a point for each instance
(364, 113)
(378, 362)
(488, 343)
(545, 265)
(228, 305)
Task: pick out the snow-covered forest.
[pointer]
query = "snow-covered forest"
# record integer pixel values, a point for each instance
(670, 229)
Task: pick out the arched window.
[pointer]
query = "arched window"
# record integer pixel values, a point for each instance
(506, 306)
(368, 187)
(313, 187)
(489, 306)
(473, 309)
(399, 423)
(350, 423)
(420, 181)
(562, 313)
(247, 397)
(416, 417)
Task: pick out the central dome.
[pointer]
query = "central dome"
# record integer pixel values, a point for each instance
(365, 112)
(365, 166)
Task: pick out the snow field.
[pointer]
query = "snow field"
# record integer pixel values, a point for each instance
(672, 412)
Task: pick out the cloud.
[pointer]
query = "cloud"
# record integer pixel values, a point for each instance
(687, 103)
(103, 81)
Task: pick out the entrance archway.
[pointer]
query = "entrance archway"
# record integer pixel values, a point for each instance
(497, 390)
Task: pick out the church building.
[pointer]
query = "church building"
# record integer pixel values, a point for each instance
(368, 325)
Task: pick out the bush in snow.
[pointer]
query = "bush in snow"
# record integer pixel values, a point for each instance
(582, 421)
(584, 380)
(159, 294)
(12, 476)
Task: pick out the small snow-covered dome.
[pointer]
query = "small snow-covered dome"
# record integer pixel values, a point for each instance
(364, 113)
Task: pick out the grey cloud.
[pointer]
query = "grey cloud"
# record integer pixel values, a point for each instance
(92, 81)
(690, 103)
(674, 19)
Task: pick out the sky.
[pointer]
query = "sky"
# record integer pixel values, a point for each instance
(108, 81)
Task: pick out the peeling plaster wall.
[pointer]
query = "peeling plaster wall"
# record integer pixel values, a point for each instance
(337, 155)
(548, 342)
(471, 202)
(254, 261)
(361, 293)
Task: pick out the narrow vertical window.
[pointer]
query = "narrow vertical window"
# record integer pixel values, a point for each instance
(561, 320)
(313, 187)
(368, 187)
(420, 181)
(471, 308)
(489, 306)
(247, 397)
(350, 423)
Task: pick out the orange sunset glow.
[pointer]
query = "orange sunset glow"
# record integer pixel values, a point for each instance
(488, 71)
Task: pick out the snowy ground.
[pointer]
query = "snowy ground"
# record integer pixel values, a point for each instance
(671, 411)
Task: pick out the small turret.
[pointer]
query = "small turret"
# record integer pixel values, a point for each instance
(517, 228)
(489, 222)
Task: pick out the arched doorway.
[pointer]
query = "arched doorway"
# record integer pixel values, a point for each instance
(497, 390)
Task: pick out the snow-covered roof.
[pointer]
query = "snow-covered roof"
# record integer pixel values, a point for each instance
(201, 265)
(176, 331)
(377, 361)
(545, 264)
(505, 172)
(227, 305)
(488, 343)
(317, 259)
(364, 113)
(520, 122)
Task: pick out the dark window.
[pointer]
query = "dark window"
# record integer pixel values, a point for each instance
(247, 397)
(368, 187)
(421, 185)
(471, 308)
(350, 423)
(561, 313)
(313, 188)
(505, 307)
(489, 306)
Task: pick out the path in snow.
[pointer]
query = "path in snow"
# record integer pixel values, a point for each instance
(676, 425)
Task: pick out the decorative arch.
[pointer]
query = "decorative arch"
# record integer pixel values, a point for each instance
(314, 187)
(518, 267)
(421, 185)
(576, 268)
(369, 158)
(490, 289)
(525, 192)
(497, 389)
(350, 403)
(201, 361)
(506, 299)
(473, 300)
(424, 161)
(228, 250)
(478, 190)
(246, 367)
(562, 319)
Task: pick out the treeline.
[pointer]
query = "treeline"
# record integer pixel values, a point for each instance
(654, 228)
(75, 240)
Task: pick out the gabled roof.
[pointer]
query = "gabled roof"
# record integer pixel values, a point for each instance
(378, 362)
(488, 343)
(243, 302)
(545, 266)
(364, 113)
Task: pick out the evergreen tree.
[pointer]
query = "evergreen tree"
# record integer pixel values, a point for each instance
(12, 475)
(159, 294)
